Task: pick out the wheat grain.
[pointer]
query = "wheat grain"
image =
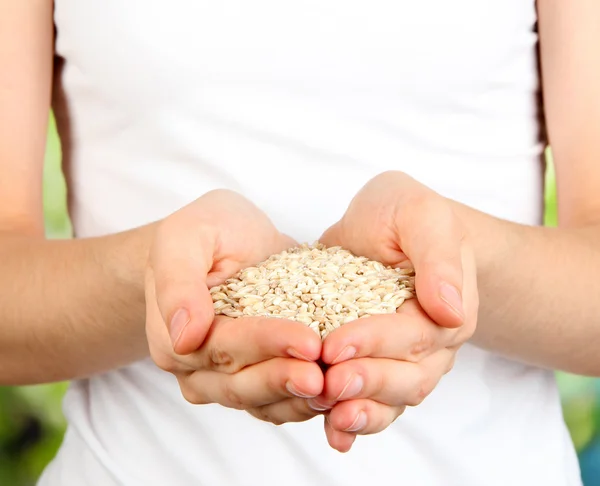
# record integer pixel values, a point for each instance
(321, 287)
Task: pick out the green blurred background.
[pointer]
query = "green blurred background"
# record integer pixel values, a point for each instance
(31, 421)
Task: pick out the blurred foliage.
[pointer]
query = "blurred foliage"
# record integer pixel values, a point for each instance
(55, 203)
(31, 420)
(31, 430)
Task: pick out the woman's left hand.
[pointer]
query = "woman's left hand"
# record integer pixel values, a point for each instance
(380, 365)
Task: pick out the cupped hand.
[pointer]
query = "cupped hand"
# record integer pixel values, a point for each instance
(265, 366)
(381, 364)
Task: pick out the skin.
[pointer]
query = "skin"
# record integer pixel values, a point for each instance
(265, 366)
(381, 365)
(118, 295)
(523, 314)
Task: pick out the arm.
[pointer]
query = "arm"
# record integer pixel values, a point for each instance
(526, 292)
(67, 308)
(72, 308)
(540, 287)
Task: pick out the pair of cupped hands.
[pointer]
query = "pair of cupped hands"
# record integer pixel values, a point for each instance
(269, 367)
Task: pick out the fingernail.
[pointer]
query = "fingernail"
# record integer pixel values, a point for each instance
(352, 388)
(359, 423)
(452, 297)
(181, 318)
(295, 354)
(294, 391)
(317, 405)
(347, 353)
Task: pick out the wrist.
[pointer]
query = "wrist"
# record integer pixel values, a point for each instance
(127, 258)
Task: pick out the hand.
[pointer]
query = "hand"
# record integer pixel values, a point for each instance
(384, 363)
(260, 365)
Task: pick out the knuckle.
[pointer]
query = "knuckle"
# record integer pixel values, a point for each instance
(421, 389)
(220, 360)
(421, 346)
(282, 370)
(232, 398)
(264, 414)
(267, 417)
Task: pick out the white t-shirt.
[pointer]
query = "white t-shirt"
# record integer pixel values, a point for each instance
(296, 105)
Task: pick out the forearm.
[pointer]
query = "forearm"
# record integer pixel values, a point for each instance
(71, 308)
(539, 291)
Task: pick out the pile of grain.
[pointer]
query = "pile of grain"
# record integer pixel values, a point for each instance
(322, 287)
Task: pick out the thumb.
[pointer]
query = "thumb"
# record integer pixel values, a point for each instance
(180, 266)
(332, 236)
(188, 317)
(431, 238)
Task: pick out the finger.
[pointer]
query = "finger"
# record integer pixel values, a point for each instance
(255, 386)
(159, 343)
(333, 236)
(340, 441)
(180, 263)
(396, 220)
(288, 410)
(408, 335)
(194, 250)
(363, 416)
(232, 344)
(429, 234)
(387, 381)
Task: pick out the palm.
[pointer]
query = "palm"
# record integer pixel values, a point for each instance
(200, 246)
(246, 236)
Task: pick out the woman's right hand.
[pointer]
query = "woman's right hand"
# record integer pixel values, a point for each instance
(266, 366)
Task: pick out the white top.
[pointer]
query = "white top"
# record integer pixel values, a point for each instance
(296, 105)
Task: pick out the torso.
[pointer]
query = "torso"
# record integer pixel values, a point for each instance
(296, 105)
